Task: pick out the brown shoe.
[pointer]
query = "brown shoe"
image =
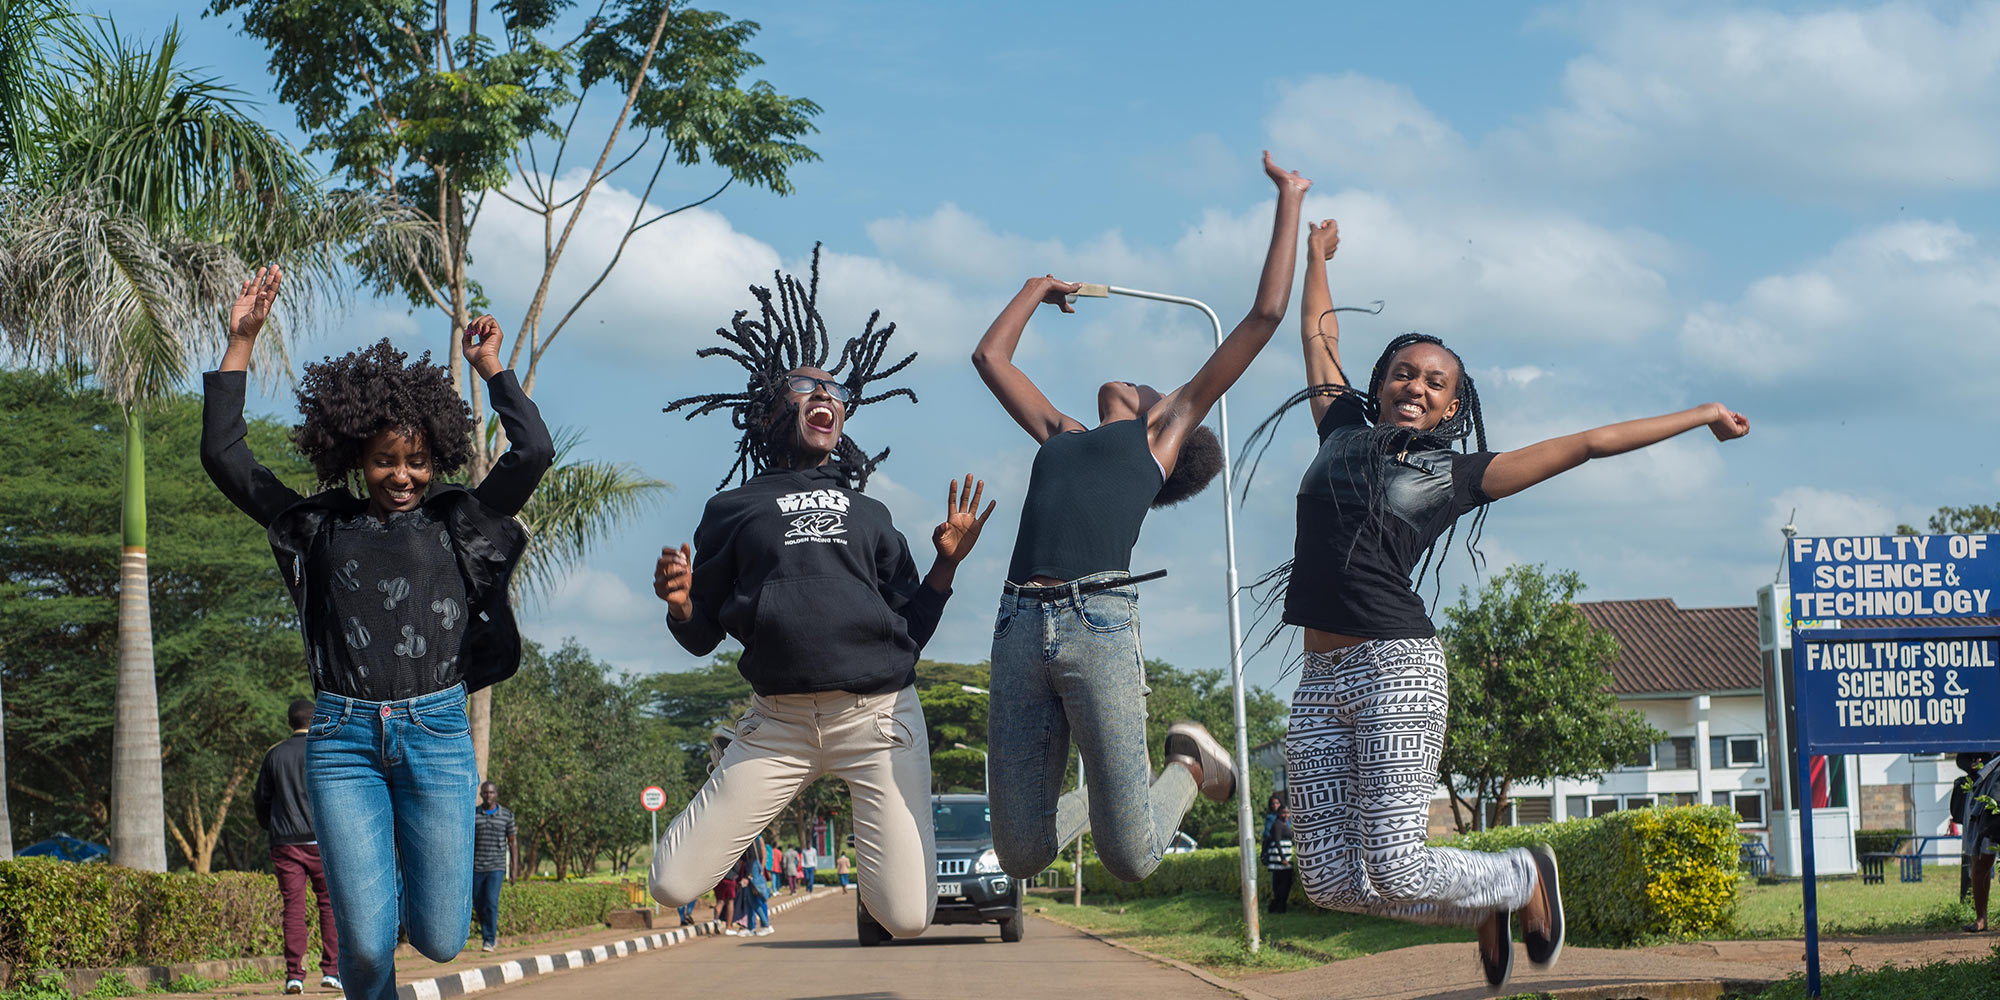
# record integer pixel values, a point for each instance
(1498, 967)
(1190, 743)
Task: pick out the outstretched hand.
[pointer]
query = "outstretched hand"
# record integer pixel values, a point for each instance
(1323, 238)
(253, 303)
(1287, 180)
(1729, 424)
(482, 345)
(673, 580)
(1058, 291)
(960, 531)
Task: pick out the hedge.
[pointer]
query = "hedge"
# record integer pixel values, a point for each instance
(56, 915)
(1628, 877)
(1877, 841)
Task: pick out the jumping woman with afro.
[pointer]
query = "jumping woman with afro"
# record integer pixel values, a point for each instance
(1066, 657)
(810, 575)
(1368, 718)
(400, 580)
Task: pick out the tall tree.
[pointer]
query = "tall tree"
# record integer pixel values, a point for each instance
(439, 105)
(149, 195)
(227, 641)
(1530, 692)
(1973, 520)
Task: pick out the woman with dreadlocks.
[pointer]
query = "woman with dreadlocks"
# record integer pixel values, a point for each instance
(402, 596)
(808, 573)
(1066, 655)
(1368, 718)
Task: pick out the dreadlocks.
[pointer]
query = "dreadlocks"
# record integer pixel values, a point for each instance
(1384, 444)
(789, 335)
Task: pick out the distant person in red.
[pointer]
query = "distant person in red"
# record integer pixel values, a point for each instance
(285, 814)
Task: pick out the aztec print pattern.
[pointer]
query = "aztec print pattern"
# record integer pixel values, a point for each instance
(1361, 758)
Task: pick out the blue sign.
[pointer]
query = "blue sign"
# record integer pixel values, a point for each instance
(1880, 691)
(1900, 576)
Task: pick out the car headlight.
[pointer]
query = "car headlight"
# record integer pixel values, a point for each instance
(988, 863)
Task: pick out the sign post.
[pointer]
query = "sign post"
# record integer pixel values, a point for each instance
(1910, 689)
(653, 798)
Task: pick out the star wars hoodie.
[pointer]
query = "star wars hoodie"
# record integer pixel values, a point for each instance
(815, 582)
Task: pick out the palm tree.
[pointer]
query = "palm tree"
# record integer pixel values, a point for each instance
(144, 199)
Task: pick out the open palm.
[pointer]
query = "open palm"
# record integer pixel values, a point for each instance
(253, 303)
(960, 531)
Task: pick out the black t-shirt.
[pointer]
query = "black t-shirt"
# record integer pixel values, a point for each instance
(400, 604)
(1087, 496)
(1351, 569)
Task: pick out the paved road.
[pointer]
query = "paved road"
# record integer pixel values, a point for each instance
(813, 956)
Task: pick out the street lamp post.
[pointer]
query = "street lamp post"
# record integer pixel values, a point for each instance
(1245, 847)
(986, 764)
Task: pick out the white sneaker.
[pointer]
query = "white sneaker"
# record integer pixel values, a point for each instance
(731, 931)
(329, 982)
(761, 931)
(294, 986)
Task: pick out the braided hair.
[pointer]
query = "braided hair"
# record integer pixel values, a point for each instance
(791, 334)
(1383, 444)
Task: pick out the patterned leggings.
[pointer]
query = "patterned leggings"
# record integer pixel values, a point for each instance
(1361, 760)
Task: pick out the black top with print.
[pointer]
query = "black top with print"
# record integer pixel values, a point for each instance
(1350, 570)
(396, 591)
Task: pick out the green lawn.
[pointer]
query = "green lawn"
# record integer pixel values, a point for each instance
(1847, 906)
(1206, 929)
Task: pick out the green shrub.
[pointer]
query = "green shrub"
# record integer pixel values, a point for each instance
(58, 915)
(1637, 875)
(1877, 841)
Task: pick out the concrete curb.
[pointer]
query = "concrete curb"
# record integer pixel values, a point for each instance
(514, 970)
(1237, 989)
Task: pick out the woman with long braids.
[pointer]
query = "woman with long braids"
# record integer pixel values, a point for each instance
(401, 588)
(1066, 656)
(1368, 719)
(808, 573)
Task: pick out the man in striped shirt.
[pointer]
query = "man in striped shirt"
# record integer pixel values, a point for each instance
(495, 855)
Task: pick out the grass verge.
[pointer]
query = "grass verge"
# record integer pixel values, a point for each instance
(1848, 906)
(1206, 929)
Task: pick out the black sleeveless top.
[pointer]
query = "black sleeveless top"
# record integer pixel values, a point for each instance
(1087, 496)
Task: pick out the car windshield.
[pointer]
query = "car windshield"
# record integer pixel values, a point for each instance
(961, 820)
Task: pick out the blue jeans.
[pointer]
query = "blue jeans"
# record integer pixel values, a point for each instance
(486, 904)
(393, 788)
(812, 875)
(1068, 668)
(759, 909)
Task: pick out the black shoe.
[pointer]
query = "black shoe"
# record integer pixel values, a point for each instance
(1497, 972)
(1545, 946)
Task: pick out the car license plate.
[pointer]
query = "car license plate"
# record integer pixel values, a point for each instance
(948, 888)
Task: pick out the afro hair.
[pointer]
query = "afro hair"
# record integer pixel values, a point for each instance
(350, 399)
(1201, 459)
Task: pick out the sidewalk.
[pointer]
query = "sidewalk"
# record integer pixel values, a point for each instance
(419, 978)
(1699, 969)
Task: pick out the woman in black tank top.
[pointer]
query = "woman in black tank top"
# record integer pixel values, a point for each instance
(1368, 718)
(1066, 657)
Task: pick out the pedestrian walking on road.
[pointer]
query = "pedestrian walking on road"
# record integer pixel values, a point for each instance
(725, 900)
(1368, 719)
(811, 576)
(1066, 654)
(496, 854)
(810, 860)
(285, 813)
(754, 882)
(841, 866)
(402, 596)
(791, 869)
(1277, 856)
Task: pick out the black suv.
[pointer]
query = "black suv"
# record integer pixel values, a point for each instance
(970, 885)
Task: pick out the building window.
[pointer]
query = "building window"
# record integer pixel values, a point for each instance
(1528, 812)
(1676, 754)
(1680, 799)
(1642, 762)
(1749, 806)
(1735, 751)
(1603, 805)
(1639, 801)
(1578, 807)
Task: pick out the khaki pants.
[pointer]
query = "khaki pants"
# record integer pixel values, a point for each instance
(876, 743)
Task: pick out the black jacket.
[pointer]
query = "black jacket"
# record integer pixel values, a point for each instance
(486, 537)
(280, 798)
(815, 582)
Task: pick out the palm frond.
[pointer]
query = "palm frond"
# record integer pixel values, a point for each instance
(578, 504)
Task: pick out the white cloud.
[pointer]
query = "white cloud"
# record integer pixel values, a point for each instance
(1894, 95)
(1830, 512)
(1358, 128)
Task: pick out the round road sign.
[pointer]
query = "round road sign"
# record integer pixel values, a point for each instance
(653, 798)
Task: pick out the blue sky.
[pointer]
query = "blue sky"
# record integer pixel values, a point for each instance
(1610, 210)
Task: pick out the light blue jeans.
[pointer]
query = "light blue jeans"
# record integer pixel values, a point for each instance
(1064, 668)
(393, 787)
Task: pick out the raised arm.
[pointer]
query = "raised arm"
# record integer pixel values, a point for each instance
(1186, 407)
(530, 450)
(994, 357)
(1319, 325)
(1510, 472)
(253, 488)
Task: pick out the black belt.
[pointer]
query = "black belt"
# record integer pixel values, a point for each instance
(1058, 591)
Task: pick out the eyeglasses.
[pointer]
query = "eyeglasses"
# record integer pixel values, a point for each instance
(807, 383)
